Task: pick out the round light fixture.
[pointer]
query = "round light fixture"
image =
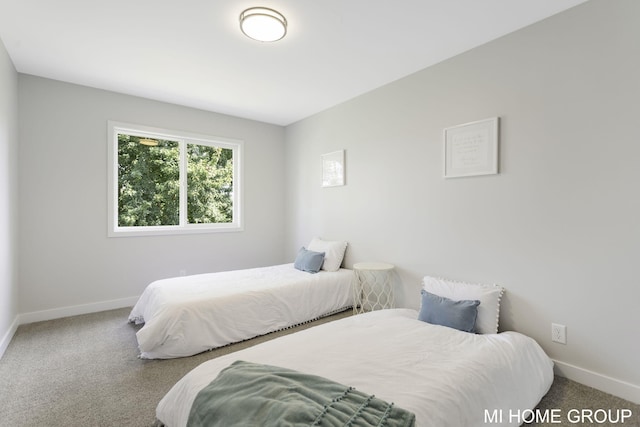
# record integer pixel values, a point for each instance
(263, 24)
(148, 141)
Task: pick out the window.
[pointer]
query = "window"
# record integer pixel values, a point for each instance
(163, 182)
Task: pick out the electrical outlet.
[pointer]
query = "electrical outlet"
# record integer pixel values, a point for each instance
(183, 272)
(558, 333)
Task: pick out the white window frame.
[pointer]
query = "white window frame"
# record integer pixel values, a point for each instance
(183, 138)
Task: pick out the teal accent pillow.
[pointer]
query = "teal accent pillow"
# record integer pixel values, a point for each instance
(309, 261)
(443, 311)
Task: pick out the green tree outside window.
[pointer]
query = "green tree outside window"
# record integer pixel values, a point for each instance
(149, 183)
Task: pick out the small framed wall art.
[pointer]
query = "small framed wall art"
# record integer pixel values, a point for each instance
(333, 169)
(471, 149)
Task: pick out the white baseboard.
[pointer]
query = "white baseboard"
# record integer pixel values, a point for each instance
(601, 382)
(8, 336)
(57, 313)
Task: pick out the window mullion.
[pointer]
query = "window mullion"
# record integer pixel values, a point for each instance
(183, 182)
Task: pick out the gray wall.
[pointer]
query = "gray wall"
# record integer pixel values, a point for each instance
(65, 256)
(559, 227)
(8, 197)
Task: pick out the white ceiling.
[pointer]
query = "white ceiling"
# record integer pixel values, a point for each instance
(192, 53)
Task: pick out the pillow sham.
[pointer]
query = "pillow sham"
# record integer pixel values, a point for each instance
(437, 310)
(333, 252)
(488, 295)
(308, 261)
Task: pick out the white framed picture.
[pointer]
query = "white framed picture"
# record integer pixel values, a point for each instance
(333, 169)
(471, 149)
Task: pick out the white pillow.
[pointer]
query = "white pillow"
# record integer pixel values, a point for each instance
(333, 252)
(488, 295)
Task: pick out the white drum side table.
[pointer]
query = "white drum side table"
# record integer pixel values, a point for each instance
(372, 289)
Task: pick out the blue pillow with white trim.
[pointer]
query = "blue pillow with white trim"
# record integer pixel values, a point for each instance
(443, 311)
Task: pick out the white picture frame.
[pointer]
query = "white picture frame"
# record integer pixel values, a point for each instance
(471, 149)
(333, 169)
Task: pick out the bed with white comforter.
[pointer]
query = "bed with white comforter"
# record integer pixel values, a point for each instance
(187, 315)
(444, 376)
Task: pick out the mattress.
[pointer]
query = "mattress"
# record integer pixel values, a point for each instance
(187, 315)
(444, 376)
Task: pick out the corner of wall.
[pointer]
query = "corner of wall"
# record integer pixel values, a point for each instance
(8, 198)
(6, 339)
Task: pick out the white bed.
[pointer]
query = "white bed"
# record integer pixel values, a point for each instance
(444, 376)
(187, 315)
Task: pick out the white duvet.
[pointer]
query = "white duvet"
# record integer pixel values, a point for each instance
(446, 377)
(187, 315)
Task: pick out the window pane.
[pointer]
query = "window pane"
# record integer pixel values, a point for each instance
(209, 184)
(148, 182)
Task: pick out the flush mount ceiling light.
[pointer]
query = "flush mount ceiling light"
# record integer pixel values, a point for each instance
(148, 141)
(263, 24)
